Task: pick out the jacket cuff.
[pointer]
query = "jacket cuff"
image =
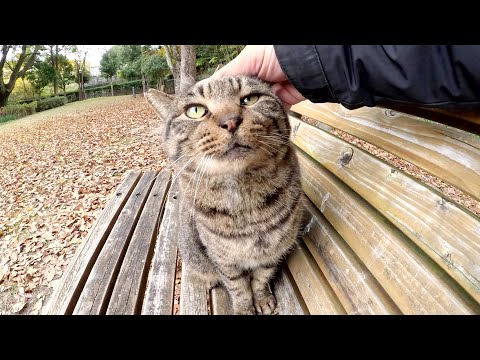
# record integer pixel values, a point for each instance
(303, 68)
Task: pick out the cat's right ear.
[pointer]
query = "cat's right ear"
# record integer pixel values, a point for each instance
(160, 102)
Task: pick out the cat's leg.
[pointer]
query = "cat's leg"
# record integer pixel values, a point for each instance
(263, 298)
(238, 286)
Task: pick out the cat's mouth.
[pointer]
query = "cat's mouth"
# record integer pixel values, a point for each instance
(237, 149)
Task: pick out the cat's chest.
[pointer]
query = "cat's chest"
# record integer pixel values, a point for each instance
(232, 194)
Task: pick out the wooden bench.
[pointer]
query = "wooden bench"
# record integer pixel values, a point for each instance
(378, 241)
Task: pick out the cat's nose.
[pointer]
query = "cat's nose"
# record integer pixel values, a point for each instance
(230, 123)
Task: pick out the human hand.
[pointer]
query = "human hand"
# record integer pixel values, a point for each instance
(261, 61)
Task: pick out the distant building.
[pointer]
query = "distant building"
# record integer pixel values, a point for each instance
(96, 78)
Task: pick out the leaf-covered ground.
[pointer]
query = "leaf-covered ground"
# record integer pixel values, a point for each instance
(58, 169)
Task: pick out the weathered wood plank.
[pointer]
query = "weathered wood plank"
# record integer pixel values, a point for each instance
(464, 120)
(96, 293)
(128, 292)
(448, 234)
(415, 283)
(356, 288)
(428, 145)
(161, 279)
(193, 294)
(288, 302)
(221, 304)
(65, 295)
(315, 289)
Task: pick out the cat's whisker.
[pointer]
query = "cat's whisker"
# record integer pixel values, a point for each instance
(169, 167)
(261, 147)
(192, 178)
(274, 138)
(275, 143)
(202, 171)
(264, 143)
(183, 168)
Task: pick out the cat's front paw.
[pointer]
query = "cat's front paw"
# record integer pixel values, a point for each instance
(265, 303)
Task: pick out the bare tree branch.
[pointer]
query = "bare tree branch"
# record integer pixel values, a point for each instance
(5, 49)
(29, 62)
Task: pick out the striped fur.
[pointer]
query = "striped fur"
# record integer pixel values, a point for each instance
(240, 206)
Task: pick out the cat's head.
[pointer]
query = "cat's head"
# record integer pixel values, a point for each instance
(230, 123)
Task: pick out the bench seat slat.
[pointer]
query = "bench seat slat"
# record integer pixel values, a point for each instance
(130, 284)
(315, 289)
(65, 295)
(96, 293)
(356, 288)
(161, 279)
(193, 294)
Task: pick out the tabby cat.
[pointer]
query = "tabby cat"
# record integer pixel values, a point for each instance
(239, 181)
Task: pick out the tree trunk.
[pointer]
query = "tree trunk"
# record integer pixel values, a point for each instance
(143, 82)
(18, 71)
(111, 84)
(4, 98)
(54, 61)
(173, 61)
(188, 70)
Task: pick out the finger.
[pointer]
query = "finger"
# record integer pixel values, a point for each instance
(287, 93)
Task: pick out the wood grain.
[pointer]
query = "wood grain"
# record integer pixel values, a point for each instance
(221, 304)
(356, 288)
(66, 294)
(450, 235)
(315, 289)
(414, 282)
(161, 279)
(96, 293)
(129, 288)
(464, 120)
(193, 299)
(440, 151)
(289, 299)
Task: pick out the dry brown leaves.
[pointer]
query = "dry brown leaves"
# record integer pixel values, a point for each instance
(57, 175)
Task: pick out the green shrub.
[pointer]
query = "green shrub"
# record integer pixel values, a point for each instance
(19, 110)
(50, 103)
(5, 118)
(124, 85)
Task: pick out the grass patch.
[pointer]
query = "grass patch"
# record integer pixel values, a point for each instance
(5, 118)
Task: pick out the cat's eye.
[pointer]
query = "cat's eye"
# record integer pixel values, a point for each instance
(196, 111)
(249, 100)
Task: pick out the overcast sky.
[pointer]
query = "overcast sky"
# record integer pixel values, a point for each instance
(94, 53)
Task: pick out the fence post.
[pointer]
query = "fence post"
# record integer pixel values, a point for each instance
(133, 91)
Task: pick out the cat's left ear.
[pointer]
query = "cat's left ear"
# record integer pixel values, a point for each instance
(160, 102)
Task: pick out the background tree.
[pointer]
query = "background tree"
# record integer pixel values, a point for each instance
(155, 68)
(82, 74)
(181, 61)
(210, 57)
(188, 69)
(40, 75)
(57, 60)
(109, 65)
(65, 74)
(22, 59)
(172, 55)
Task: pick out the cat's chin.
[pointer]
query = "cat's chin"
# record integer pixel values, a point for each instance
(237, 161)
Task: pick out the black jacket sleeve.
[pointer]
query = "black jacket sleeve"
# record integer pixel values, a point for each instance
(445, 76)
